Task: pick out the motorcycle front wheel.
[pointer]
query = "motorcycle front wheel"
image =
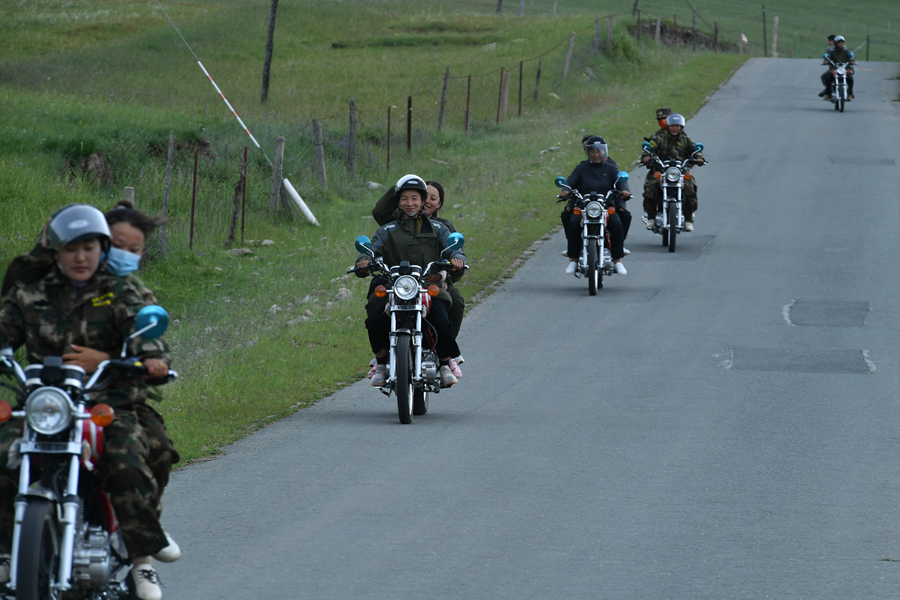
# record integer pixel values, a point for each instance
(420, 402)
(673, 225)
(593, 267)
(404, 389)
(38, 552)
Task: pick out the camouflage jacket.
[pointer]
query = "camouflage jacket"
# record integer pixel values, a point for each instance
(667, 146)
(50, 315)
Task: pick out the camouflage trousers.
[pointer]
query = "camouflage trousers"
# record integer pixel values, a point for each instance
(137, 458)
(653, 196)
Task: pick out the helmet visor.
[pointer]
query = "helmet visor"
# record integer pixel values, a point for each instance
(592, 149)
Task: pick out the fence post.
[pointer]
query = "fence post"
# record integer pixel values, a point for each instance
(468, 98)
(867, 47)
(504, 93)
(443, 100)
(244, 201)
(521, 71)
(569, 54)
(537, 80)
(716, 37)
(500, 93)
(658, 26)
(639, 28)
(270, 44)
(389, 141)
(675, 23)
(236, 204)
(499, 6)
(170, 161)
(319, 143)
(694, 27)
(609, 33)
(741, 41)
(128, 196)
(193, 200)
(765, 42)
(775, 38)
(409, 123)
(597, 34)
(351, 141)
(275, 191)
(522, 8)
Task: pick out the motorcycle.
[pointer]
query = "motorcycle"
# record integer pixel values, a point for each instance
(65, 536)
(413, 364)
(839, 72)
(672, 174)
(595, 260)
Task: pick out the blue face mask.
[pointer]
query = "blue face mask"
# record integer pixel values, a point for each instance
(122, 263)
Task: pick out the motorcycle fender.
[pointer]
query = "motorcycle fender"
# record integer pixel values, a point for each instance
(39, 491)
(404, 331)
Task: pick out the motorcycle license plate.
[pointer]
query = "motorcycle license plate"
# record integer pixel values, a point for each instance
(50, 448)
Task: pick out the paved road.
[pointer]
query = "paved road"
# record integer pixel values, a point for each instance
(720, 423)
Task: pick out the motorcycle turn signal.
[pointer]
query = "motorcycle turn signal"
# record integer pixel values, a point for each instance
(5, 411)
(380, 291)
(102, 415)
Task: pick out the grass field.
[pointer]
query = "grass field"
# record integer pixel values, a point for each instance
(260, 336)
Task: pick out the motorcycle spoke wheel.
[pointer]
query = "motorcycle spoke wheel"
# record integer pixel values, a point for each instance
(593, 267)
(38, 552)
(673, 226)
(404, 389)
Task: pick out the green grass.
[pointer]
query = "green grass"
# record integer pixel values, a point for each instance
(260, 336)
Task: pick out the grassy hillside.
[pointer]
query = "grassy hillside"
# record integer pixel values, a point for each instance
(259, 336)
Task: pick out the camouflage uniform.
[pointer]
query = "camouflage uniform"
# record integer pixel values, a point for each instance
(667, 146)
(50, 315)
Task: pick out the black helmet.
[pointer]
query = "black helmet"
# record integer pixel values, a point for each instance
(674, 119)
(75, 223)
(595, 142)
(411, 182)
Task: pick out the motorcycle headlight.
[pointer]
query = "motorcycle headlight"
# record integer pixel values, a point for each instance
(406, 287)
(593, 210)
(673, 174)
(48, 410)
(841, 70)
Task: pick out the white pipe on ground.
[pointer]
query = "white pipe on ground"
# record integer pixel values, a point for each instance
(299, 202)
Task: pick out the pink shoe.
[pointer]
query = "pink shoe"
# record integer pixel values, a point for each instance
(371, 372)
(454, 368)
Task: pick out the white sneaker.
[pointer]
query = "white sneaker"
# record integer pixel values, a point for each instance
(688, 226)
(571, 268)
(565, 253)
(651, 222)
(170, 553)
(380, 376)
(626, 251)
(146, 583)
(620, 269)
(459, 359)
(4, 568)
(447, 378)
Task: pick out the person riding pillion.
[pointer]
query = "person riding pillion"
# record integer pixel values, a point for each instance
(415, 238)
(597, 174)
(674, 143)
(80, 304)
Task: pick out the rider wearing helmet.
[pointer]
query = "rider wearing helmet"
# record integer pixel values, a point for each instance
(415, 238)
(674, 143)
(838, 54)
(597, 174)
(79, 303)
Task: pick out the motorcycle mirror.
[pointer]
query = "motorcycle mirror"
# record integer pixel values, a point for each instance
(560, 182)
(364, 246)
(622, 175)
(151, 322)
(456, 241)
(826, 56)
(646, 147)
(698, 147)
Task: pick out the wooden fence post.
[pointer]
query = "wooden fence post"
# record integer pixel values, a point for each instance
(597, 34)
(569, 54)
(351, 140)
(193, 200)
(504, 93)
(319, 145)
(170, 161)
(716, 37)
(609, 32)
(128, 196)
(468, 98)
(244, 201)
(236, 204)
(499, 6)
(521, 71)
(500, 93)
(694, 27)
(275, 190)
(658, 26)
(267, 61)
(775, 38)
(639, 28)
(409, 123)
(389, 141)
(537, 80)
(443, 100)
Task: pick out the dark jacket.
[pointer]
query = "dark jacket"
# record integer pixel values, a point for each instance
(596, 177)
(840, 55)
(385, 210)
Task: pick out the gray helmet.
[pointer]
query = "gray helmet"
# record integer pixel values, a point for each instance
(595, 142)
(411, 182)
(75, 223)
(674, 119)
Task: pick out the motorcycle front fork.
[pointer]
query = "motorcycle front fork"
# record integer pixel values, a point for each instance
(392, 352)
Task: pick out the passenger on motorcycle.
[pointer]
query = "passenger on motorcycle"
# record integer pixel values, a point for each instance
(838, 54)
(674, 143)
(597, 174)
(825, 75)
(415, 238)
(79, 303)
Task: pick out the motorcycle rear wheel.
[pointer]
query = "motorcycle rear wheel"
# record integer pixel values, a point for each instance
(420, 402)
(593, 268)
(673, 225)
(404, 389)
(38, 552)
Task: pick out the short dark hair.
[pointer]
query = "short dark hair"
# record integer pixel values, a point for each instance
(831, 38)
(125, 213)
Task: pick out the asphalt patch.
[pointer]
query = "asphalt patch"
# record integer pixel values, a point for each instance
(855, 160)
(838, 361)
(827, 313)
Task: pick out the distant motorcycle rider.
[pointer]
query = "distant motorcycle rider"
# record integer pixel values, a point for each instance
(674, 143)
(597, 174)
(838, 54)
